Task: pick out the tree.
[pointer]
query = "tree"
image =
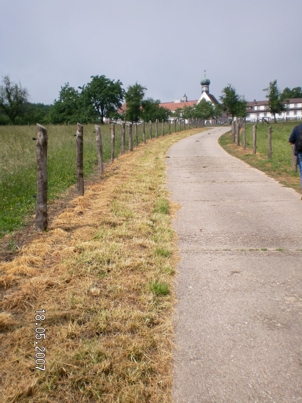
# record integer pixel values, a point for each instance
(188, 112)
(288, 93)
(67, 107)
(151, 110)
(104, 95)
(13, 99)
(232, 103)
(275, 99)
(178, 113)
(204, 110)
(35, 113)
(134, 100)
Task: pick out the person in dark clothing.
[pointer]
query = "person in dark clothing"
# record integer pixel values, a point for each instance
(296, 139)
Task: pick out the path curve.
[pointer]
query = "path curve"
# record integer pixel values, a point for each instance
(239, 281)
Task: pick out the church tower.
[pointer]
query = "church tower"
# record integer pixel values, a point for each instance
(205, 91)
(205, 84)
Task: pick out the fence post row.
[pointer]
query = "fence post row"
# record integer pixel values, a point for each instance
(41, 204)
(80, 171)
(269, 143)
(99, 147)
(41, 149)
(112, 130)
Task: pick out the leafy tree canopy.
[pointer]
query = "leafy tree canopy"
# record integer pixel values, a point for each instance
(275, 100)
(104, 95)
(134, 101)
(288, 93)
(187, 112)
(151, 110)
(178, 113)
(232, 103)
(13, 99)
(204, 110)
(67, 107)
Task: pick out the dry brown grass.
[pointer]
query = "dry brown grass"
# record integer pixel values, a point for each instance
(108, 335)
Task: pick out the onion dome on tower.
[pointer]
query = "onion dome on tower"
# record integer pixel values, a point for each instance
(205, 84)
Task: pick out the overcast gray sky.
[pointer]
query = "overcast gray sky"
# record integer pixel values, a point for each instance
(165, 45)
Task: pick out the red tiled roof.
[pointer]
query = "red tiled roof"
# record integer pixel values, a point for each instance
(172, 106)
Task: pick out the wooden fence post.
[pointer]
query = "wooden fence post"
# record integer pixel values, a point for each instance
(80, 170)
(254, 139)
(174, 125)
(169, 127)
(233, 131)
(162, 127)
(99, 147)
(123, 138)
(112, 141)
(144, 132)
(156, 128)
(150, 129)
(269, 143)
(244, 136)
(180, 125)
(238, 125)
(41, 206)
(130, 137)
(136, 134)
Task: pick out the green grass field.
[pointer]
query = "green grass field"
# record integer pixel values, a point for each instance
(18, 164)
(280, 165)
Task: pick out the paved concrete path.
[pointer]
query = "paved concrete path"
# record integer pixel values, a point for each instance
(239, 281)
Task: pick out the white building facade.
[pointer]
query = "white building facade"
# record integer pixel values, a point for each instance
(258, 110)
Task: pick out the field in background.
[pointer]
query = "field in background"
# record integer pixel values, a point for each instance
(280, 165)
(18, 164)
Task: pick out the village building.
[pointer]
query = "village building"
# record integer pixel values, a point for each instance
(256, 110)
(183, 102)
(259, 110)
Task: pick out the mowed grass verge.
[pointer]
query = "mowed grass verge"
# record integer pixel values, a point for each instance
(279, 166)
(103, 273)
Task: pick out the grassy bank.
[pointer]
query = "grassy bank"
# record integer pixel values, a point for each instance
(103, 273)
(279, 166)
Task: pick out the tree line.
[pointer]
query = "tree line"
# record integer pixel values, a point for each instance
(103, 98)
